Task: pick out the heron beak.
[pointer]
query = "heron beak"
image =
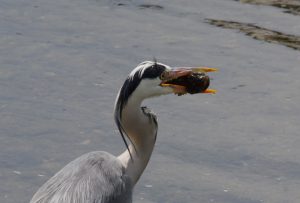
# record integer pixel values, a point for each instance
(182, 72)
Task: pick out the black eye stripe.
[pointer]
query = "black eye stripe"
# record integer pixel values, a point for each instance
(154, 71)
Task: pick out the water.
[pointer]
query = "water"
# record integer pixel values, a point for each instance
(62, 63)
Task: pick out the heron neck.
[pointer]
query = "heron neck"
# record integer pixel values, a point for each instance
(142, 132)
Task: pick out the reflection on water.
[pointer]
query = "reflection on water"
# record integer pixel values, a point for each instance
(289, 6)
(260, 33)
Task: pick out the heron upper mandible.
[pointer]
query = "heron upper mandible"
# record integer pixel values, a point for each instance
(99, 177)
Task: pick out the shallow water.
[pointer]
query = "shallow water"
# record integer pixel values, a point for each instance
(62, 63)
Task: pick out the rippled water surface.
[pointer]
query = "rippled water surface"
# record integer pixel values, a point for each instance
(62, 62)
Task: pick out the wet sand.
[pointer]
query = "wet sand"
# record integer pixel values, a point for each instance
(62, 63)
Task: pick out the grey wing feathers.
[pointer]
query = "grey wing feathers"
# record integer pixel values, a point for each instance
(96, 177)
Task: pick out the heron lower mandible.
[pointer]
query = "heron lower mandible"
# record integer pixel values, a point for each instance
(99, 177)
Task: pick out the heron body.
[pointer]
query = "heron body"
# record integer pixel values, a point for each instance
(93, 177)
(99, 177)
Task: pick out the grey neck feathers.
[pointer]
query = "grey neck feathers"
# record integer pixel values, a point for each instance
(140, 126)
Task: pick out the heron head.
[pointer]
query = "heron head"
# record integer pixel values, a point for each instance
(150, 79)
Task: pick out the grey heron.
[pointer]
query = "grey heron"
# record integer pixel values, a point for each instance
(99, 177)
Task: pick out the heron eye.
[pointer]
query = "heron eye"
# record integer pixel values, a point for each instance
(163, 76)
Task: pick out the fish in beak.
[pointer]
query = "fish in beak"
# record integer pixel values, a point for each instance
(188, 80)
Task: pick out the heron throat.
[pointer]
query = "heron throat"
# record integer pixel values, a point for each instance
(139, 125)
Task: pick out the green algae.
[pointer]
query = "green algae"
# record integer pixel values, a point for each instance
(289, 6)
(260, 33)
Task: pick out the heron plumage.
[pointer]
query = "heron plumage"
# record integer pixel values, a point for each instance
(95, 177)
